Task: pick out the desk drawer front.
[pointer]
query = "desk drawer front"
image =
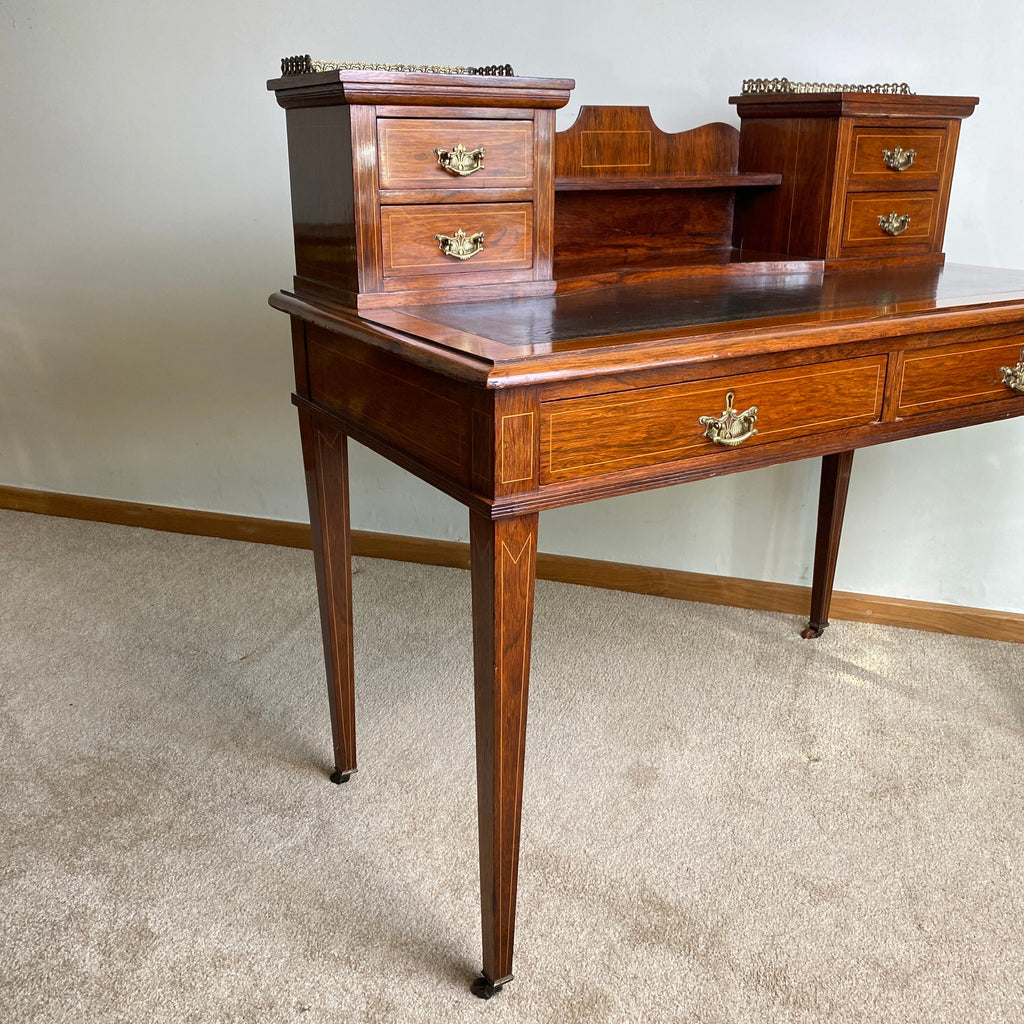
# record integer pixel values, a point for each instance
(585, 437)
(407, 157)
(870, 167)
(491, 236)
(958, 375)
(863, 233)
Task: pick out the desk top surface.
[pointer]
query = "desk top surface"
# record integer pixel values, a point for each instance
(700, 317)
(517, 328)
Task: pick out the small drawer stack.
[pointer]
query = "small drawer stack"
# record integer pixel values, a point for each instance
(896, 188)
(866, 176)
(418, 187)
(457, 197)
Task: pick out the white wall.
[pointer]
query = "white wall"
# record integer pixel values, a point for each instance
(144, 219)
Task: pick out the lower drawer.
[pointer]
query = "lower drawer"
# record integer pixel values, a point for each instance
(583, 437)
(912, 219)
(958, 375)
(482, 236)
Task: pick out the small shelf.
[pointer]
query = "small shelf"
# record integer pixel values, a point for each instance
(726, 180)
(583, 273)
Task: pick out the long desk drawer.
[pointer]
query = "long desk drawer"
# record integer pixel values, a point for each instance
(583, 437)
(958, 375)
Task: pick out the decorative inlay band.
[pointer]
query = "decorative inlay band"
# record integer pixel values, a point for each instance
(517, 447)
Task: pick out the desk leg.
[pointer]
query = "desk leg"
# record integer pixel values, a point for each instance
(325, 457)
(504, 564)
(835, 482)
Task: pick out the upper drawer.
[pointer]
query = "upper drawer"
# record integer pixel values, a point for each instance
(911, 222)
(583, 437)
(878, 153)
(482, 236)
(437, 153)
(958, 375)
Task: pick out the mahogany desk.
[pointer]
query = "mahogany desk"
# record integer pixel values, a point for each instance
(516, 405)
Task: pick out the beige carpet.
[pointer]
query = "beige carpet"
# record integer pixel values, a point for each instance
(722, 823)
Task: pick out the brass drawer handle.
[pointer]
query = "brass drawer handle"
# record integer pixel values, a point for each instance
(1013, 376)
(898, 159)
(731, 428)
(461, 246)
(460, 161)
(894, 223)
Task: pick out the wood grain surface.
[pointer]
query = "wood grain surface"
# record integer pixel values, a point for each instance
(410, 246)
(868, 168)
(586, 436)
(407, 158)
(503, 566)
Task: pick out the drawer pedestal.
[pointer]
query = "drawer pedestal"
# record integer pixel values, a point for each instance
(383, 163)
(847, 159)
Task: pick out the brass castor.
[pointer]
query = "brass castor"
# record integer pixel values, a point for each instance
(814, 630)
(484, 988)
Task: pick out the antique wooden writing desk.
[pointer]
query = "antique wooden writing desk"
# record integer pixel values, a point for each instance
(588, 321)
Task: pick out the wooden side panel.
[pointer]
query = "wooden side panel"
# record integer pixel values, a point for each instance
(793, 219)
(365, 174)
(422, 414)
(609, 433)
(840, 176)
(946, 181)
(544, 194)
(323, 205)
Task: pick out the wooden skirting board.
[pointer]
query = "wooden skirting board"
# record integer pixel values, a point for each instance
(587, 572)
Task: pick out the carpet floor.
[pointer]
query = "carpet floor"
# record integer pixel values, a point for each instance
(722, 823)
